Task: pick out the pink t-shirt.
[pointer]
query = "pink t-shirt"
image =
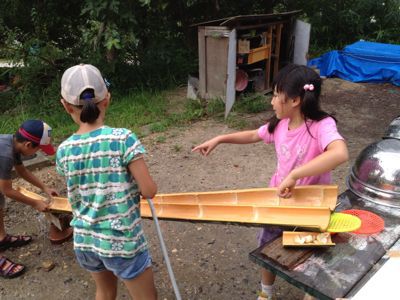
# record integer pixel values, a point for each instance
(297, 147)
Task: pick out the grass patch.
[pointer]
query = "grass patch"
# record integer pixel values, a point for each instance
(177, 148)
(252, 103)
(234, 121)
(161, 139)
(134, 111)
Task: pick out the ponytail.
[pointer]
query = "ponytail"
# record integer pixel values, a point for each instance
(90, 112)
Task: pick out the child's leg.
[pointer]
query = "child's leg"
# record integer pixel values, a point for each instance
(267, 278)
(10, 241)
(142, 286)
(2, 206)
(106, 285)
(267, 284)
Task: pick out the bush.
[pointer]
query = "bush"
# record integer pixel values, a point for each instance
(150, 44)
(335, 24)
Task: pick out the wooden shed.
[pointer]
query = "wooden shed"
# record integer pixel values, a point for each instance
(243, 52)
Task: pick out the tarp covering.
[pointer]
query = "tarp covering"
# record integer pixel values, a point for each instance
(362, 62)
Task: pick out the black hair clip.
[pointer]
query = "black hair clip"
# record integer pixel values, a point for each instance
(107, 83)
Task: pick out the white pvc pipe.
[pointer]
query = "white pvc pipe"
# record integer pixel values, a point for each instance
(164, 251)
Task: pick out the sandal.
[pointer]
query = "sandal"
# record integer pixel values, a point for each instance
(9, 269)
(13, 241)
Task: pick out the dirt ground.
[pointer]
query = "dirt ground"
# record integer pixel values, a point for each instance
(210, 261)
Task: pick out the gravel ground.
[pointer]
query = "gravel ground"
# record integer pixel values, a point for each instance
(210, 261)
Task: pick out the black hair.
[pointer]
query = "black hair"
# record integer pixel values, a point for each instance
(90, 112)
(21, 139)
(290, 81)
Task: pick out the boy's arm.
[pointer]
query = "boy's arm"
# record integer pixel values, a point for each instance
(7, 189)
(28, 176)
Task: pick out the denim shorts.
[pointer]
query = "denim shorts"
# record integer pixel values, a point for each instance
(124, 268)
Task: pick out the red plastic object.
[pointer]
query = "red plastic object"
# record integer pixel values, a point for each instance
(370, 222)
(242, 80)
(57, 236)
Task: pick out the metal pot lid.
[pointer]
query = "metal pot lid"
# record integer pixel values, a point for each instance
(393, 130)
(375, 175)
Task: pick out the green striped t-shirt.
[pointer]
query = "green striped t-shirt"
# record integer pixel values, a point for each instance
(104, 196)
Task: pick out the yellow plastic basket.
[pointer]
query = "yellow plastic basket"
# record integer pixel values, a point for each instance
(341, 222)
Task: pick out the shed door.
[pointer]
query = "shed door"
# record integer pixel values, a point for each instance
(231, 71)
(215, 54)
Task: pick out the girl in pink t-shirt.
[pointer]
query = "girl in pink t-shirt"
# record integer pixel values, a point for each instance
(307, 143)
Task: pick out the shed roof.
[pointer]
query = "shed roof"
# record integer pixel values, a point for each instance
(249, 19)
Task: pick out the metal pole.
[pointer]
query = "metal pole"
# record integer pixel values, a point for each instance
(164, 250)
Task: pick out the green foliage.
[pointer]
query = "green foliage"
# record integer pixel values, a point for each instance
(236, 122)
(136, 44)
(161, 139)
(159, 126)
(215, 107)
(151, 45)
(7, 100)
(195, 109)
(335, 24)
(253, 103)
(136, 110)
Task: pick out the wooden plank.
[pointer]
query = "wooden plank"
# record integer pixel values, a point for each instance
(264, 25)
(267, 73)
(260, 53)
(217, 31)
(277, 48)
(287, 258)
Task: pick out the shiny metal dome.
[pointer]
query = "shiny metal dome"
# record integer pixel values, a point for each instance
(375, 175)
(393, 130)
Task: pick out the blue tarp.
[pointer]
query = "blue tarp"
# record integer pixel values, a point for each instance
(362, 62)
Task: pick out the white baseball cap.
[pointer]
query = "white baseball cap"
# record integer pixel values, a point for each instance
(79, 78)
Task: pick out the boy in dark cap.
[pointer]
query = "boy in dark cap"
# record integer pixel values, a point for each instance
(32, 136)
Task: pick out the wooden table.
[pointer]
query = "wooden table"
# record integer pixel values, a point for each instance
(340, 271)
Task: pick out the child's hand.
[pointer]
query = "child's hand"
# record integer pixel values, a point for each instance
(206, 147)
(286, 187)
(51, 192)
(41, 206)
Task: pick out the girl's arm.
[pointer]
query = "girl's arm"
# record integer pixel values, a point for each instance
(335, 154)
(241, 137)
(140, 172)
